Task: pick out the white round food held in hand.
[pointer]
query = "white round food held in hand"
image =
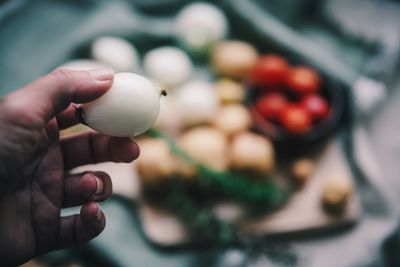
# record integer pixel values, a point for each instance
(129, 108)
(115, 52)
(197, 102)
(168, 66)
(199, 25)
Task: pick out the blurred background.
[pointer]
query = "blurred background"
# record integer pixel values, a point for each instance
(277, 144)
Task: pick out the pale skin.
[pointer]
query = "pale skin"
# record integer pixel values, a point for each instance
(34, 162)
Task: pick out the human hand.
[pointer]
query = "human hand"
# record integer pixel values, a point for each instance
(34, 162)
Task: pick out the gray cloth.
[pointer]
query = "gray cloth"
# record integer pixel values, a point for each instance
(37, 36)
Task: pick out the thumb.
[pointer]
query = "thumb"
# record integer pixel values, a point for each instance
(52, 93)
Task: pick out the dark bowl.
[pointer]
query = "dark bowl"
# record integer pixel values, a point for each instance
(329, 89)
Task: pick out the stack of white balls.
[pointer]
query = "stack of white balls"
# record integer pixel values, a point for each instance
(189, 102)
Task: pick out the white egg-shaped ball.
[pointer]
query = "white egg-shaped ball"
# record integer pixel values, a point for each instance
(129, 108)
(156, 162)
(206, 145)
(233, 58)
(115, 52)
(233, 119)
(200, 24)
(252, 152)
(169, 119)
(168, 66)
(230, 91)
(83, 64)
(197, 102)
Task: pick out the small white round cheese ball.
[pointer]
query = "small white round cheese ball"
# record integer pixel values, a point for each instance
(205, 145)
(233, 58)
(168, 66)
(252, 152)
(156, 161)
(199, 25)
(115, 52)
(233, 119)
(197, 102)
(169, 119)
(230, 91)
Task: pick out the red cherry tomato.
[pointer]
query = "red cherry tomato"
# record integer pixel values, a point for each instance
(303, 80)
(270, 70)
(271, 105)
(296, 119)
(317, 106)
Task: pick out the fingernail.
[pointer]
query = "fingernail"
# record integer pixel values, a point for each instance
(102, 74)
(98, 213)
(99, 185)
